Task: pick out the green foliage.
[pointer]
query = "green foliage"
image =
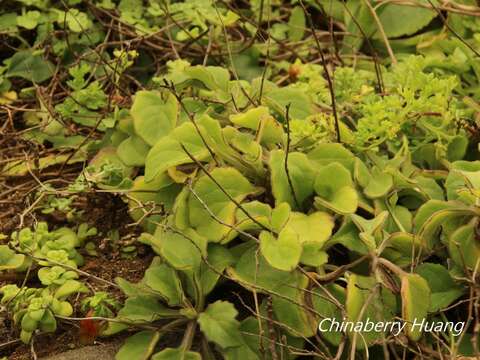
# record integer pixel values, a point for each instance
(415, 303)
(219, 325)
(30, 66)
(55, 247)
(54, 255)
(36, 308)
(85, 98)
(221, 221)
(101, 303)
(244, 176)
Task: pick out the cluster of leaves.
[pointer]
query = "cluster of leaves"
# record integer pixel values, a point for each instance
(258, 181)
(227, 197)
(36, 308)
(54, 256)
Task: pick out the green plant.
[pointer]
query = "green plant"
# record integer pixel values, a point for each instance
(36, 308)
(229, 198)
(101, 304)
(54, 253)
(299, 174)
(58, 246)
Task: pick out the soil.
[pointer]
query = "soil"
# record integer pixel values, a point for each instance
(104, 211)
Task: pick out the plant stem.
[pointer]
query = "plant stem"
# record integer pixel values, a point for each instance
(392, 267)
(188, 336)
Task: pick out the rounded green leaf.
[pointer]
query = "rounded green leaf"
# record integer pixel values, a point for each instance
(313, 254)
(219, 325)
(251, 118)
(29, 324)
(361, 174)
(415, 304)
(253, 271)
(213, 77)
(48, 322)
(29, 20)
(328, 309)
(182, 250)
(464, 245)
(133, 151)
(211, 204)
(218, 258)
(258, 210)
(301, 173)
(457, 148)
(328, 153)
(64, 309)
(278, 98)
(76, 20)
(283, 253)
(428, 233)
(296, 24)
(26, 336)
(379, 185)
(30, 66)
(298, 320)
(164, 280)
(368, 300)
(400, 248)
(461, 175)
(280, 216)
(168, 152)
(343, 201)
(9, 260)
(176, 354)
(330, 178)
(428, 209)
(139, 346)
(399, 20)
(154, 115)
(313, 228)
(444, 289)
(70, 287)
(144, 308)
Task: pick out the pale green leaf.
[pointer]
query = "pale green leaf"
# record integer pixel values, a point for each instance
(168, 152)
(335, 188)
(444, 290)
(164, 280)
(133, 151)
(464, 245)
(315, 228)
(29, 20)
(213, 77)
(144, 309)
(415, 303)
(399, 20)
(363, 303)
(301, 174)
(219, 325)
(176, 354)
(139, 346)
(283, 253)
(296, 24)
(183, 250)
(9, 260)
(216, 204)
(379, 185)
(154, 115)
(30, 66)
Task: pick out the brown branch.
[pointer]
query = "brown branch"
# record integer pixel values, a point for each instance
(325, 69)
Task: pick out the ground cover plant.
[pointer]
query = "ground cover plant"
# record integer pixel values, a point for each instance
(226, 180)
